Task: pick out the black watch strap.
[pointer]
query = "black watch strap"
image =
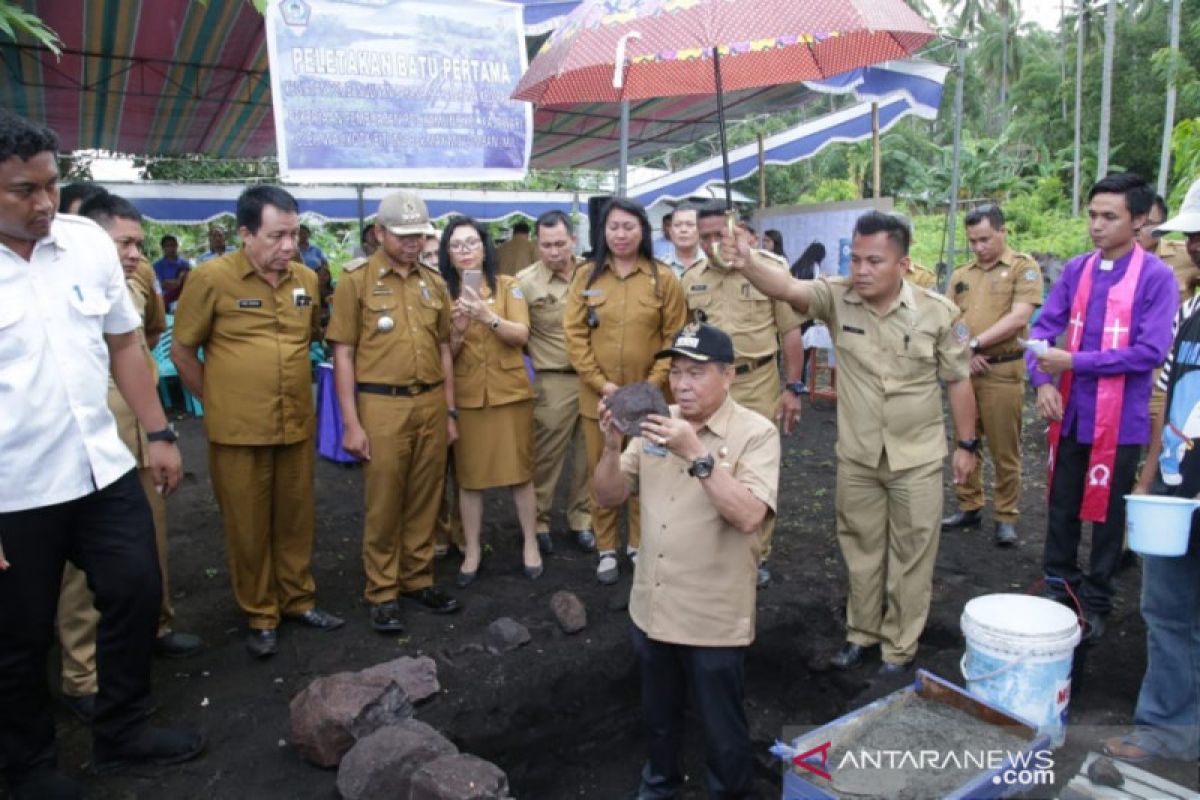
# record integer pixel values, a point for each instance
(970, 445)
(167, 434)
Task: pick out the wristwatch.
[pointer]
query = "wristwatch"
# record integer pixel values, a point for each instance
(974, 344)
(797, 388)
(452, 413)
(167, 434)
(970, 445)
(702, 467)
(495, 323)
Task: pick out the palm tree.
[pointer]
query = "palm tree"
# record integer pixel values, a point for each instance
(1110, 41)
(969, 13)
(1164, 158)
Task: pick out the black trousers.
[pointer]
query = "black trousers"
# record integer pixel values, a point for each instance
(715, 676)
(1060, 559)
(109, 535)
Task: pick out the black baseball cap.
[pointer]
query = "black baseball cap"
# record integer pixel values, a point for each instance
(700, 341)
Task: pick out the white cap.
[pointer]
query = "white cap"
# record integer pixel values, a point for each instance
(1188, 218)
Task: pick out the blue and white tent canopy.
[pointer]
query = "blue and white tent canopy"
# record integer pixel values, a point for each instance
(197, 203)
(901, 88)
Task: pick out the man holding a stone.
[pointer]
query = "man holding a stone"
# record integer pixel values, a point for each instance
(707, 477)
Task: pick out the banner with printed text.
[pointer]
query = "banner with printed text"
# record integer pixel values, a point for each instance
(398, 91)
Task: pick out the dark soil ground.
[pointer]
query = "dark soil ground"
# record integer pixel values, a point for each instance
(561, 714)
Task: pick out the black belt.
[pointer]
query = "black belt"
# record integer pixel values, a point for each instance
(744, 369)
(566, 371)
(387, 389)
(1004, 359)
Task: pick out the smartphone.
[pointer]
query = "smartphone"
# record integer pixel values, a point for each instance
(473, 278)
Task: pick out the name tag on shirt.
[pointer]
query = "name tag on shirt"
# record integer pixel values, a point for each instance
(851, 329)
(698, 287)
(249, 303)
(301, 298)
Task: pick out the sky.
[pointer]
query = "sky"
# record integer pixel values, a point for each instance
(1043, 12)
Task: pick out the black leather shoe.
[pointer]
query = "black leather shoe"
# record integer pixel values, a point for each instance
(174, 644)
(160, 746)
(47, 783)
(962, 519)
(434, 599)
(545, 544)
(262, 643)
(585, 540)
(1006, 534)
(83, 706)
(386, 618)
(1094, 624)
(849, 657)
(319, 619)
(888, 669)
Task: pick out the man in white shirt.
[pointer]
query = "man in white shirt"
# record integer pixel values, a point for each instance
(68, 486)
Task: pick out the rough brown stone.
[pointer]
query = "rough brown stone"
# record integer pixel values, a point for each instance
(459, 777)
(506, 634)
(569, 610)
(380, 766)
(332, 712)
(630, 405)
(416, 676)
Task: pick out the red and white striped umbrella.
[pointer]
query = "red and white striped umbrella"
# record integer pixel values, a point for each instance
(670, 44)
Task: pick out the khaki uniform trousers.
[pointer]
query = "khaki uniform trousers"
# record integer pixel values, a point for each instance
(999, 400)
(78, 617)
(605, 520)
(758, 390)
(265, 493)
(403, 485)
(556, 424)
(888, 527)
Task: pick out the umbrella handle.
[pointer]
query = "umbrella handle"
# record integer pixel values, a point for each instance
(731, 229)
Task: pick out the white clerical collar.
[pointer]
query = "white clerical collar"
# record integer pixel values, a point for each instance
(1106, 265)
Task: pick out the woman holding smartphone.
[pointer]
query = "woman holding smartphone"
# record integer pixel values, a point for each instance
(492, 389)
(622, 308)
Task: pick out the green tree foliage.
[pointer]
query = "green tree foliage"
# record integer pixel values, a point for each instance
(17, 24)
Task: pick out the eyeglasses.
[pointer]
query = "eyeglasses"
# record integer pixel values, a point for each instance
(464, 246)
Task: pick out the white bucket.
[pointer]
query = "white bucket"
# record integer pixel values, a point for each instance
(1157, 525)
(1018, 657)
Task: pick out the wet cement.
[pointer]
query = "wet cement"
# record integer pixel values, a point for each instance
(899, 732)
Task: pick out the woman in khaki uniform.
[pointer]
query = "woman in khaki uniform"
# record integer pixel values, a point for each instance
(619, 314)
(492, 390)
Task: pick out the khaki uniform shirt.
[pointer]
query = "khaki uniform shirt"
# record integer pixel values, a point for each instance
(678, 267)
(128, 428)
(986, 295)
(1175, 253)
(638, 316)
(922, 277)
(695, 580)
(156, 311)
(729, 301)
(888, 371)
(488, 372)
(515, 255)
(419, 309)
(257, 373)
(546, 295)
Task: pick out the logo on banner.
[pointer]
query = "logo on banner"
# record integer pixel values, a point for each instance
(295, 12)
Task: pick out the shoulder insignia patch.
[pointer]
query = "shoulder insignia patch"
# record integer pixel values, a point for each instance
(517, 293)
(1030, 275)
(353, 264)
(961, 334)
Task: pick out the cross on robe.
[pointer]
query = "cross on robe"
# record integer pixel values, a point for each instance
(1116, 330)
(1076, 329)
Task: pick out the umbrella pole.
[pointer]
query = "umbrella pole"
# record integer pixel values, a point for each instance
(721, 123)
(623, 169)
